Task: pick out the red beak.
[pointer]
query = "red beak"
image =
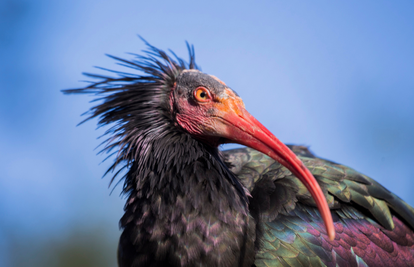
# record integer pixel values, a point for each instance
(246, 130)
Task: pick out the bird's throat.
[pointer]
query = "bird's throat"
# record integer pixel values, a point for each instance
(184, 209)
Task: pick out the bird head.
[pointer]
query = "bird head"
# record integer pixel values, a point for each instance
(205, 107)
(176, 95)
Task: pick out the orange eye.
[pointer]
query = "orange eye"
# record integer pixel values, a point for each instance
(201, 94)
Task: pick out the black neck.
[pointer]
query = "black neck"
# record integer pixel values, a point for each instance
(181, 192)
(161, 161)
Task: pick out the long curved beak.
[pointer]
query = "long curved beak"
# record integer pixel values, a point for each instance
(244, 129)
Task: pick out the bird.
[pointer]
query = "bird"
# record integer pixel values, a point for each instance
(266, 204)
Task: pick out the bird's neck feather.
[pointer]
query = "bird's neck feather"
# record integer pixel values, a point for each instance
(180, 192)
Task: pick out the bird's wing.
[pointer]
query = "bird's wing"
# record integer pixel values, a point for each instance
(373, 225)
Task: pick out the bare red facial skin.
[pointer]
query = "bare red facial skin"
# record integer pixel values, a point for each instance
(196, 118)
(225, 118)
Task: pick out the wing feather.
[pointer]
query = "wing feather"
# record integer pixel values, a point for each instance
(374, 227)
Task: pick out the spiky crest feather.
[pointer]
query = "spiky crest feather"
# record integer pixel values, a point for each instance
(138, 105)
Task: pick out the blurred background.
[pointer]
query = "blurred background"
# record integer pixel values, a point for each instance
(335, 76)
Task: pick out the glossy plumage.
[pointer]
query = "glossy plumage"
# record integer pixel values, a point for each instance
(373, 226)
(188, 204)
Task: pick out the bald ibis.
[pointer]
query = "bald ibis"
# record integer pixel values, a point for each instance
(190, 204)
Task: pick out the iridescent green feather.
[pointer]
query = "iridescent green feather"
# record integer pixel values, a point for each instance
(291, 217)
(339, 183)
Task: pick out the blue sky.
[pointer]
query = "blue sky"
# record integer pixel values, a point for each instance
(333, 75)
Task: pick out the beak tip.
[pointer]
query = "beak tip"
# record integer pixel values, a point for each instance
(331, 235)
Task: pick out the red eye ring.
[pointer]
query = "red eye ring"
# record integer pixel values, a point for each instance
(201, 94)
